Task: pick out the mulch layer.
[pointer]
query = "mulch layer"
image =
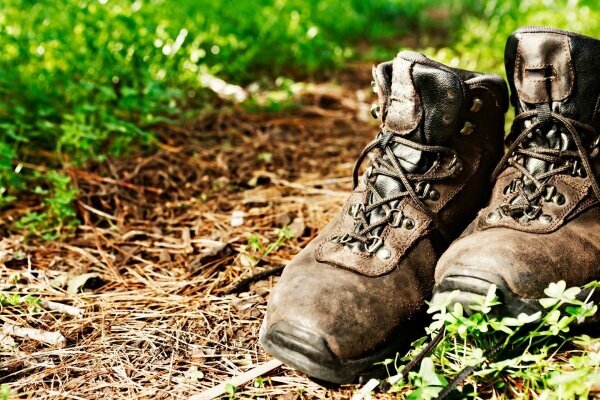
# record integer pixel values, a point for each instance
(137, 303)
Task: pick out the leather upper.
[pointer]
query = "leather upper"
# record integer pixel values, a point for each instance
(357, 299)
(552, 74)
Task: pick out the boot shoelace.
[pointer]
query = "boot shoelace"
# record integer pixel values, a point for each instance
(415, 185)
(528, 205)
(553, 156)
(561, 161)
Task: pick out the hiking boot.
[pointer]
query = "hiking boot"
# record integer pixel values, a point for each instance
(355, 294)
(542, 223)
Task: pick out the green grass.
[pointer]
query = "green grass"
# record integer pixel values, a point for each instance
(84, 79)
(87, 79)
(540, 357)
(479, 42)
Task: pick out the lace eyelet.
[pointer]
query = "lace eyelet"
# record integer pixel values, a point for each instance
(345, 238)
(512, 186)
(408, 224)
(533, 212)
(477, 105)
(456, 165)
(375, 111)
(426, 191)
(578, 170)
(493, 217)
(559, 199)
(397, 217)
(373, 244)
(355, 209)
(422, 189)
(383, 254)
(550, 192)
(467, 129)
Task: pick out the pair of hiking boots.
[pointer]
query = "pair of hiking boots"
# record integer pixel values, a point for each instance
(414, 225)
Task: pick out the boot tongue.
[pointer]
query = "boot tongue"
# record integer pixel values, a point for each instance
(555, 68)
(552, 71)
(419, 100)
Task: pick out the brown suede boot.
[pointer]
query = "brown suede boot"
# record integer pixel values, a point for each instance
(355, 293)
(542, 223)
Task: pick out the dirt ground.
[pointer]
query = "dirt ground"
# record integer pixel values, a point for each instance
(166, 237)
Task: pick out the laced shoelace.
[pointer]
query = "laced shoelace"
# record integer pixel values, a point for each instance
(553, 156)
(561, 161)
(386, 163)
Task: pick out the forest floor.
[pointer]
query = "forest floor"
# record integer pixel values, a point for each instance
(165, 237)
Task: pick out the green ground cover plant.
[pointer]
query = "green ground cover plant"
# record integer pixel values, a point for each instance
(535, 356)
(84, 79)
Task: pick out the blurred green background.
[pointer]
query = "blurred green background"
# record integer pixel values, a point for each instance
(83, 79)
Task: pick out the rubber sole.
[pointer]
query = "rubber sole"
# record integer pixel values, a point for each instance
(309, 353)
(473, 284)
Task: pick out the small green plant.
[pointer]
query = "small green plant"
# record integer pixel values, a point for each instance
(258, 250)
(9, 299)
(59, 214)
(283, 235)
(530, 356)
(265, 157)
(260, 382)
(4, 391)
(32, 303)
(231, 390)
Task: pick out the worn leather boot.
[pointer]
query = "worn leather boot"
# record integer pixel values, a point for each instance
(542, 223)
(355, 293)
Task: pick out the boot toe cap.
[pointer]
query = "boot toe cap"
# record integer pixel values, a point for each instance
(322, 319)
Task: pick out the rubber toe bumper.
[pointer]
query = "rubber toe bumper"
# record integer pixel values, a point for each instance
(473, 284)
(309, 352)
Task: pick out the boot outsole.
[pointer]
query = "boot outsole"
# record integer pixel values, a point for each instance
(309, 353)
(474, 284)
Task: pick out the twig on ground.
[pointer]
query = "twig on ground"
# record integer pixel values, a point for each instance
(238, 380)
(63, 308)
(245, 283)
(52, 338)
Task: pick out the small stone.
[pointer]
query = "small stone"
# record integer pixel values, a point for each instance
(237, 218)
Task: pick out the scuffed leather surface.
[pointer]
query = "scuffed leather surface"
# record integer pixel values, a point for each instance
(583, 102)
(398, 241)
(529, 256)
(543, 68)
(352, 312)
(575, 189)
(353, 303)
(529, 261)
(403, 108)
